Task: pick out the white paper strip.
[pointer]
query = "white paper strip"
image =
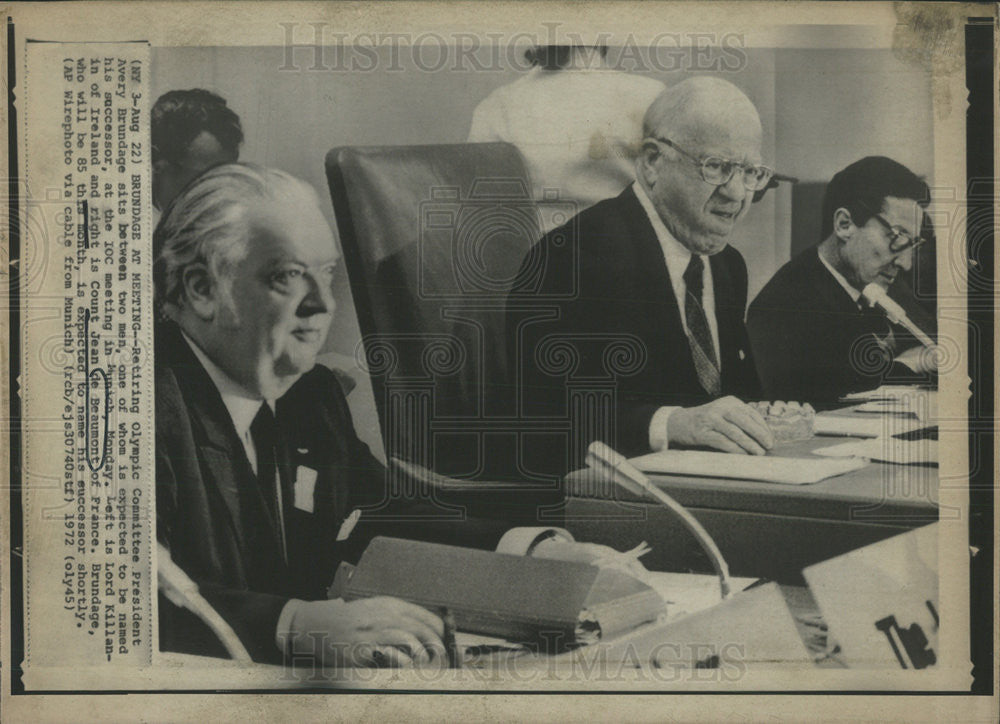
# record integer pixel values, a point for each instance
(789, 471)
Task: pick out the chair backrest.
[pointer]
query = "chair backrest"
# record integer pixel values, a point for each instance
(433, 237)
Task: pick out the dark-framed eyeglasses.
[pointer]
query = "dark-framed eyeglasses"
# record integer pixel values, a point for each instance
(899, 239)
(718, 171)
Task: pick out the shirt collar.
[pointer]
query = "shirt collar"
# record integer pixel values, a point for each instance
(841, 279)
(678, 255)
(241, 404)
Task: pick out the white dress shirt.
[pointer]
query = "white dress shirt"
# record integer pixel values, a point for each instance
(677, 257)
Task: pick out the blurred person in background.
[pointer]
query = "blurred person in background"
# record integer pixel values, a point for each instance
(191, 131)
(576, 122)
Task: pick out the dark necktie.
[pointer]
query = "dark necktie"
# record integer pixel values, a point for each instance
(263, 430)
(699, 335)
(882, 330)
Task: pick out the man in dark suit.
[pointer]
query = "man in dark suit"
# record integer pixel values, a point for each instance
(639, 300)
(814, 337)
(259, 469)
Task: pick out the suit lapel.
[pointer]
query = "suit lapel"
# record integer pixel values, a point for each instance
(861, 318)
(214, 434)
(829, 293)
(728, 314)
(655, 276)
(315, 443)
(222, 473)
(669, 327)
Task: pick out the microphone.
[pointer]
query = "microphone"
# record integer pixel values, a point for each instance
(876, 296)
(180, 590)
(604, 459)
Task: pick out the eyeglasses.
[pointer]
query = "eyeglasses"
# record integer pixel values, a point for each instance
(899, 239)
(718, 171)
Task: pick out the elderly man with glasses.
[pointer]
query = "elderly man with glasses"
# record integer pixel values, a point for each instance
(814, 336)
(260, 476)
(652, 268)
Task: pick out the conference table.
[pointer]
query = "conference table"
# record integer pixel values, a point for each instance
(766, 530)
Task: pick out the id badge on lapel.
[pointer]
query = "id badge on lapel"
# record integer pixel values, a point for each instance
(305, 488)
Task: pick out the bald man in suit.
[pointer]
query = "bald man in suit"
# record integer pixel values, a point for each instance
(653, 268)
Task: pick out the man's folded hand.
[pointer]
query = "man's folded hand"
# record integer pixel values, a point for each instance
(725, 424)
(379, 631)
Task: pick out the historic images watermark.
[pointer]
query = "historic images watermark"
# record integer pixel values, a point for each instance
(320, 47)
(690, 662)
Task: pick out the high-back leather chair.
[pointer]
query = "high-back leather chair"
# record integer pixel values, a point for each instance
(433, 237)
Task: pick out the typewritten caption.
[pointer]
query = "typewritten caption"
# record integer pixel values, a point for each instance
(95, 188)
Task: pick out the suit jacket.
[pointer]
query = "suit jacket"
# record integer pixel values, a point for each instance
(603, 281)
(210, 515)
(813, 343)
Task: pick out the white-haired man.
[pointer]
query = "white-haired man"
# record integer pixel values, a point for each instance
(653, 265)
(258, 463)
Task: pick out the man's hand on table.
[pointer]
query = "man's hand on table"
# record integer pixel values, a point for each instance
(380, 631)
(725, 424)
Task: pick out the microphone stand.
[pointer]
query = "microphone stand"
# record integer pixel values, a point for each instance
(602, 458)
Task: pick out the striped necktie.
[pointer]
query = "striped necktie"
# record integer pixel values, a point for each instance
(699, 335)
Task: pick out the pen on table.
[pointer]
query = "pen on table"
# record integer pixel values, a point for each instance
(450, 645)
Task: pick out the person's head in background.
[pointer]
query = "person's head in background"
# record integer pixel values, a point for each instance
(700, 162)
(873, 213)
(563, 57)
(192, 130)
(244, 262)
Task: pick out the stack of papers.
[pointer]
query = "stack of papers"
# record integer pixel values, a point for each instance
(886, 407)
(862, 425)
(886, 392)
(917, 402)
(789, 471)
(687, 593)
(886, 450)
